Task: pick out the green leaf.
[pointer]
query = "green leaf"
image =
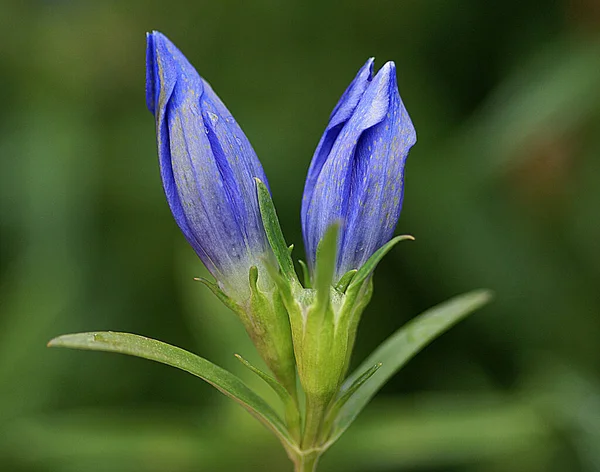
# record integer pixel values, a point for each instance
(292, 413)
(279, 389)
(399, 348)
(359, 382)
(221, 379)
(273, 230)
(435, 431)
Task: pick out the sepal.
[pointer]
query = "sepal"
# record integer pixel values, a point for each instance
(319, 353)
(290, 296)
(268, 325)
(325, 266)
(305, 274)
(265, 318)
(221, 295)
(342, 285)
(323, 343)
(273, 231)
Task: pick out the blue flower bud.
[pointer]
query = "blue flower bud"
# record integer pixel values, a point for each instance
(207, 167)
(356, 177)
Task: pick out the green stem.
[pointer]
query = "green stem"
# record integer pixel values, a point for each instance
(307, 462)
(292, 417)
(315, 411)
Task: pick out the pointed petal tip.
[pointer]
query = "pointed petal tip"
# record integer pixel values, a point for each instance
(387, 72)
(151, 75)
(366, 71)
(158, 52)
(155, 41)
(154, 34)
(370, 64)
(166, 66)
(375, 101)
(352, 95)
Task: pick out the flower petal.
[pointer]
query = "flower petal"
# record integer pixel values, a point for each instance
(207, 166)
(378, 181)
(360, 181)
(340, 114)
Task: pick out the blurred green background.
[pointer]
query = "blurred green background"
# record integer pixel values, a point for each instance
(502, 191)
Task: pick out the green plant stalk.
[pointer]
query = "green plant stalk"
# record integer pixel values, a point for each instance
(328, 413)
(293, 420)
(307, 461)
(315, 413)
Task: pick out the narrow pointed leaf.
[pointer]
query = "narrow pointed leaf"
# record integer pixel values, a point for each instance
(276, 386)
(359, 382)
(292, 414)
(273, 230)
(221, 379)
(346, 394)
(399, 348)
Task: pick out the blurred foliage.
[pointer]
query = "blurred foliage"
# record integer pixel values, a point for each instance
(502, 191)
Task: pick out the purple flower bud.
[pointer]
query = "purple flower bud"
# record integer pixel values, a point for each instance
(207, 167)
(356, 176)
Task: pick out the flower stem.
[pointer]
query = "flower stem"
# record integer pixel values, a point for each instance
(292, 416)
(315, 411)
(307, 462)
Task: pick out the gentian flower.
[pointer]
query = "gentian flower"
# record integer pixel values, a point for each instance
(208, 171)
(218, 194)
(356, 176)
(207, 167)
